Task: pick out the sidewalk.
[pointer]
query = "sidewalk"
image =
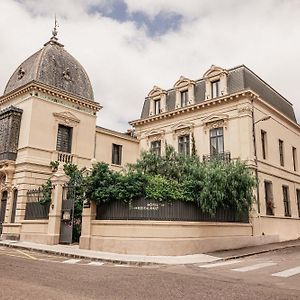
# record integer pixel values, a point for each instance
(74, 251)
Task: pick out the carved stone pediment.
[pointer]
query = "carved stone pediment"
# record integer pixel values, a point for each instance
(67, 118)
(155, 135)
(182, 128)
(183, 82)
(156, 91)
(214, 71)
(215, 121)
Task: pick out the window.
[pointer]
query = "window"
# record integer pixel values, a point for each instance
(295, 162)
(269, 198)
(116, 154)
(156, 147)
(281, 153)
(263, 143)
(215, 89)
(64, 139)
(14, 206)
(216, 141)
(184, 144)
(298, 201)
(184, 98)
(286, 201)
(156, 106)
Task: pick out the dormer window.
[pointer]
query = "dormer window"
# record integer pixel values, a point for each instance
(185, 93)
(215, 82)
(157, 106)
(184, 98)
(157, 98)
(215, 89)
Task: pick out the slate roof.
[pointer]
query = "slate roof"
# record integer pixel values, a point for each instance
(239, 78)
(53, 66)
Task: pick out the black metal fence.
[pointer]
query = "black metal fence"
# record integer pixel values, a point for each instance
(142, 209)
(34, 209)
(224, 156)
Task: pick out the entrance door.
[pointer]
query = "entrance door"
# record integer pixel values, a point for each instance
(3, 209)
(67, 216)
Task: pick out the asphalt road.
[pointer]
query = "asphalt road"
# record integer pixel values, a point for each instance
(31, 275)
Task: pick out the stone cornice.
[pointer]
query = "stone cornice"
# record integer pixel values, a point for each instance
(35, 86)
(191, 108)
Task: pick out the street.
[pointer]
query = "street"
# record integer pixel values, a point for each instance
(33, 275)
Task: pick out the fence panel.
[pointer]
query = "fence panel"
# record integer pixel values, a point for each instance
(34, 209)
(142, 209)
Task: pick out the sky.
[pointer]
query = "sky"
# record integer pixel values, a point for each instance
(128, 46)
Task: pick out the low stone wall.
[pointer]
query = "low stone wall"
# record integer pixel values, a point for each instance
(286, 228)
(166, 237)
(35, 231)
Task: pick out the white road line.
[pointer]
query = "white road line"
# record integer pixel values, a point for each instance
(71, 261)
(122, 266)
(95, 263)
(220, 264)
(255, 267)
(288, 272)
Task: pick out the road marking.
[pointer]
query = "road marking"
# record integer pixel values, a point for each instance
(26, 254)
(71, 261)
(255, 267)
(95, 263)
(220, 264)
(288, 272)
(123, 266)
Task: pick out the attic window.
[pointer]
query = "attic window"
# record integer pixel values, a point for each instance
(184, 98)
(157, 106)
(215, 88)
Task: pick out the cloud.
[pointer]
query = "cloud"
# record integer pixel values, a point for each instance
(124, 61)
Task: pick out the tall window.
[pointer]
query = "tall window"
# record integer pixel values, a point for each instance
(116, 154)
(184, 144)
(269, 198)
(286, 201)
(156, 147)
(295, 161)
(156, 106)
(281, 157)
(264, 144)
(216, 141)
(215, 89)
(14, 206)
(298, 201)
(184, 98)
(64, 139)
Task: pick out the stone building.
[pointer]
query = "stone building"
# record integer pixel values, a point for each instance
(48, 113)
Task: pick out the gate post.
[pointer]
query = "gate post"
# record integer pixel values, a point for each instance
(88, 215)
(59, 179)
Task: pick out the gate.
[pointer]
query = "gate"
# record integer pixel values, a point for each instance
(3, 209)
(67, 215)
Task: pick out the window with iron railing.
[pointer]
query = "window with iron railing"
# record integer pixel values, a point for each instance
(64, 139)
(216, 141)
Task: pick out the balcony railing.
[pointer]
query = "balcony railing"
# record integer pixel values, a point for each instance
(224, 156)
(65, 157)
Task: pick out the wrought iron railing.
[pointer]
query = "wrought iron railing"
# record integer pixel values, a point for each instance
(224, 156)
(142, 209)
(34, 209)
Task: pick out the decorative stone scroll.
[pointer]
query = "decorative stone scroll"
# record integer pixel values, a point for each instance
(66, 118)
(155, 135)
(182, 129)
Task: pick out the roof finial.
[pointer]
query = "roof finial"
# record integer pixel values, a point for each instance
(54, 31)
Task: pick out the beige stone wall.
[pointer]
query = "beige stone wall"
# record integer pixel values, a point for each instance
(103, 151)
(35, 231)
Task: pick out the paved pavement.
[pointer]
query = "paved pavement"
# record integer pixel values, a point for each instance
(74, 251)
(28, 274)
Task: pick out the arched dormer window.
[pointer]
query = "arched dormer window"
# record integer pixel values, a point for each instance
(157, 98)
(215, 82)
(185, 92)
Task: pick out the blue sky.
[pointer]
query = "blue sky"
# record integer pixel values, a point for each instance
(128, 46)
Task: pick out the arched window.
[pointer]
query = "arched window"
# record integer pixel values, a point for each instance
(2, 209)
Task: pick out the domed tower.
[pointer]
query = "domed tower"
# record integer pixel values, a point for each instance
(47, 113)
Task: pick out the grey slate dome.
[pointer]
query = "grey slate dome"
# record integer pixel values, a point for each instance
(53, 66)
